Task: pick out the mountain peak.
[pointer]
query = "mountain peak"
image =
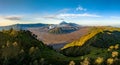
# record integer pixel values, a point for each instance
(63, 22)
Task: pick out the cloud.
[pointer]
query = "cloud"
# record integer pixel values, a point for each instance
(13, 17)
(79, 15)
(67, 15)
(115, 17)
(63, 10)
(80, 8)
(63, 14)
(56, 15)
(10, 19)
(53, 17)
(5, 22)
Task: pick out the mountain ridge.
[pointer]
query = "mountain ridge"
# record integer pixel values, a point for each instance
(22, 26)
(93, 32)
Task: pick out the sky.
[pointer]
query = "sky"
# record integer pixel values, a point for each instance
(83, 12)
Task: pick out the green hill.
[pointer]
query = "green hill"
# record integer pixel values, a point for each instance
(19, 47)
(98, 37)
(94, 31)
(22, 48)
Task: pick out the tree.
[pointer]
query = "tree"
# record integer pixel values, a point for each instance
(42, 61)
(15, 44)
(85, 62)
(114, 54)
(110, 61)
(72, 63)
(99, 61)
(31, 50)
(111, 47)
(116, 46)
(8, 44)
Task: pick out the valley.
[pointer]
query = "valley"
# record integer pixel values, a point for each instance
(90, 44)
(65, 44)
(59, 32)
(57, 39)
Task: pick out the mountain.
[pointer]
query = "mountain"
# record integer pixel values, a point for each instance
(22, 48)
(73, 24)
(26, 26)
(19, 47)
(63, 30)
(98, 37)
(22, 26)
(100, 47)
(64, 23)
(91, 33)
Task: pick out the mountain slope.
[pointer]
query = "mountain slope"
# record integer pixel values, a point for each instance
(92, 33)
(63, 23)
(22, 48)
(19, 47)
(63, 30)
(98, 38)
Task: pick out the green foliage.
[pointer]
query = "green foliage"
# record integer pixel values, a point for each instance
(15, 47)
(76, 51)
(22, 48)
(92, 33)
(85, 62)
(104, 40)
(98, 47)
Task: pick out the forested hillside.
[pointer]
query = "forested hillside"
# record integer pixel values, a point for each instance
(93, 32)
(22, 48)
(19, 48)
(100, 47)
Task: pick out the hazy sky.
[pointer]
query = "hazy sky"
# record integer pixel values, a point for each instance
(85, 12)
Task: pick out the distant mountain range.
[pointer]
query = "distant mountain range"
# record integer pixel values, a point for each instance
(22, 26)
(63, 28)
(26, 26)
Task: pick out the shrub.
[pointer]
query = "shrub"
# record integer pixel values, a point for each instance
(72, 63)
(110, 61)
(99, 60)
(85, 62)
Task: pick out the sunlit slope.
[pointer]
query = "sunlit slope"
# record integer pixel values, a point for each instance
(93, 31)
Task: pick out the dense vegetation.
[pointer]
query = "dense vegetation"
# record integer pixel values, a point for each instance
(93, 32)
(99, 47)
(22, 48)
(101, 40)
(19, 47)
